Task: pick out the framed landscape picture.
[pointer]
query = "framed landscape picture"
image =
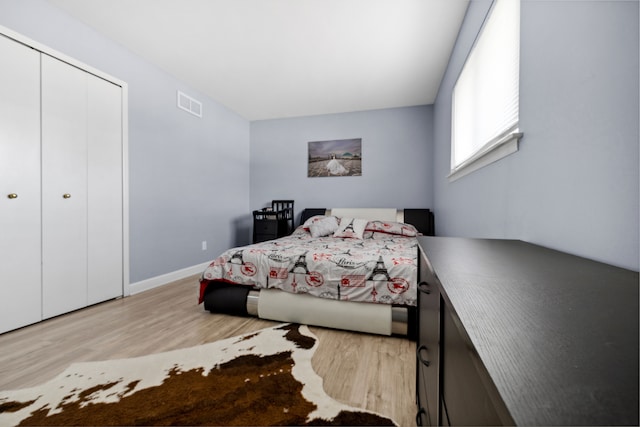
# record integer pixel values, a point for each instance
(340, 157)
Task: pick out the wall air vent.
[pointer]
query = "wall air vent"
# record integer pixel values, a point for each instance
(190, 105)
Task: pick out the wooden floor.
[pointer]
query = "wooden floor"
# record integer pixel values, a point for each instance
(362, 370)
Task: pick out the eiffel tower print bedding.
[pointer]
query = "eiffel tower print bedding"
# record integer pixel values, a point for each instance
(349, 260)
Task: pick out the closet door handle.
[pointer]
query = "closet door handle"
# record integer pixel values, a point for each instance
(12, 196)
(66, 196)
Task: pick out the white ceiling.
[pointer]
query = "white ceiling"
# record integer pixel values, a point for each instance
(268, 59)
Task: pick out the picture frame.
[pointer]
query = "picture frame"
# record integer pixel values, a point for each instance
(332, 158)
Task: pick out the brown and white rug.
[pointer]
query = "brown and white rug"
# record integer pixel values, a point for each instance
(261, 378)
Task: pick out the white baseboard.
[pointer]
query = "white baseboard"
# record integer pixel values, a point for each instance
(154, 282)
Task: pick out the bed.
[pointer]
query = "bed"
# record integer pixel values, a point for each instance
(351, 269)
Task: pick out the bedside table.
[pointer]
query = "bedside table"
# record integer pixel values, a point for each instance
(274, 222)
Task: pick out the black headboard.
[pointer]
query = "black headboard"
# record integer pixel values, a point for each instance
(422, 219)
(308, 213)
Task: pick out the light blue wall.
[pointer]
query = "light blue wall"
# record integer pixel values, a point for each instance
(189, 177)
(397, 154)
(574, 184)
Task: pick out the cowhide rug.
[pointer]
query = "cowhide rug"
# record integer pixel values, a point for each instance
(261, 378)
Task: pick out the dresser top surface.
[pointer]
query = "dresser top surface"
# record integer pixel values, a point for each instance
(556, 333)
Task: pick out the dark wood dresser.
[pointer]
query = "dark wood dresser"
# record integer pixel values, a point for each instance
(511, 333)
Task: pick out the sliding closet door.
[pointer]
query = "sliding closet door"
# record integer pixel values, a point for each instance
(20, 301)
(105, 190)
(64, 187)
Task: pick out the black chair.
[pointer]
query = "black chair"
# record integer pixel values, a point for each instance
(285, 206)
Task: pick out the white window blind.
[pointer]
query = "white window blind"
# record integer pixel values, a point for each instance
(486, 94)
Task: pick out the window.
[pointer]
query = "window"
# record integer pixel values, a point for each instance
(486, 95)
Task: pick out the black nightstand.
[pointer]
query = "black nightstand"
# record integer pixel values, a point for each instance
(274, 222)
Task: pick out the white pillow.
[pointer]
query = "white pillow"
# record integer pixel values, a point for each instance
(323, 227)
(351, 227)
(311, 220)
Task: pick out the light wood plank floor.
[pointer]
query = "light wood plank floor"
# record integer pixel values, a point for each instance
(362, 370)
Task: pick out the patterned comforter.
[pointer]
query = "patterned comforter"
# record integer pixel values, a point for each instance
(379, 268)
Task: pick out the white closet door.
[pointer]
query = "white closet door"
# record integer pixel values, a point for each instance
(105, 190)
(20, 293)
(64, 187)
